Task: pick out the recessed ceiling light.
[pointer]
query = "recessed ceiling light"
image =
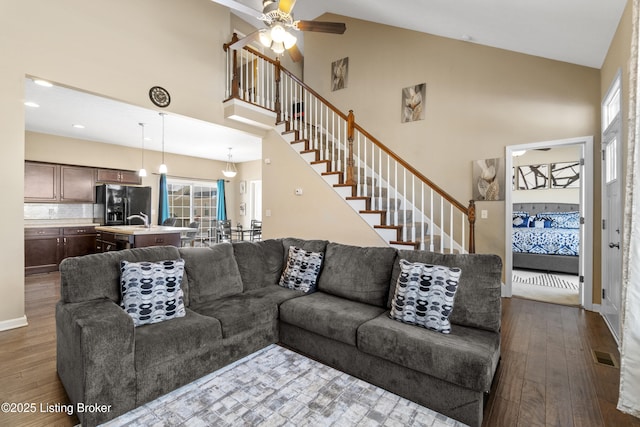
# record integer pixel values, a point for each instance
(31, 104)
(44, 83)
(78, 126)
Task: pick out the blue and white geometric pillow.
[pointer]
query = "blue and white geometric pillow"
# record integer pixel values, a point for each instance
(520, 219)
(424, 295)
(302, 270)
(562, 219)
(151, 291)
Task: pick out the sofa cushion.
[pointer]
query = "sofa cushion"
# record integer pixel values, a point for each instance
(466, 357)
(151, 291)
(104, 271)
(174, 339)
(301, 270)
(424, 295)
(307, 245)
(259, 263)
(477, 303)
(327, 315)
(242, 312)
(213, 273)
(357, 273)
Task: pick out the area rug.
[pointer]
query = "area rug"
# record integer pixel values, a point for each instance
(564, 281)
(278, 387)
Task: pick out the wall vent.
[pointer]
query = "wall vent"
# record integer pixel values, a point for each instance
(604, 358)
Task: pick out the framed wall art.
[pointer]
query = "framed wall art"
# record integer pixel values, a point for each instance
(533, 177)
(413, 98)
(565, 175)
(339, 74)
(488, 179)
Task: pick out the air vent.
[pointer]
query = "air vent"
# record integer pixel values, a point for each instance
(604, 358)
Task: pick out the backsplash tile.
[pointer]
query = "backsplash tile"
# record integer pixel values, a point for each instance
(53, 211)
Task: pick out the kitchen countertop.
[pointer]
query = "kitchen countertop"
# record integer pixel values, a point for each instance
(61, 224)
(141, 229)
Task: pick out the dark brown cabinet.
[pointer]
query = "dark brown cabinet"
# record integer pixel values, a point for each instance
(52, 183)
(144, 240)
(77, 184)
(114, 176)
(41, 182)
(44, 248)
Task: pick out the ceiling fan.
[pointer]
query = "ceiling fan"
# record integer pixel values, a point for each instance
(277, 16)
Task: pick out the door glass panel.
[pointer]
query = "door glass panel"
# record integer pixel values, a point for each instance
(611, 161)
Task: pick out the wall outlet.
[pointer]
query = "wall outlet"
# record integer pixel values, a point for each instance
(484, 214)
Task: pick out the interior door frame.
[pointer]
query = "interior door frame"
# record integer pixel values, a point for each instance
(586, 211)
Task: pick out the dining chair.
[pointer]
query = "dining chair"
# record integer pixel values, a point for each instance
(224, 231)
(189, 237)
(170, 222)
(256, 230)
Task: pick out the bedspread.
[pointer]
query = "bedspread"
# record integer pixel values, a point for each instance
(549, 241)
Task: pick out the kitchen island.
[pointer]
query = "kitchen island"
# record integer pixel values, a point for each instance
(118, 237)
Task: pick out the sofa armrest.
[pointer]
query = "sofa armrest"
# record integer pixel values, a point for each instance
(95, 357)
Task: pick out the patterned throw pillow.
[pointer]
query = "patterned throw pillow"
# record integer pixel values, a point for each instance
(151, 291)
(562, 219)
(424, 295)
(520, 219)
(301, 272)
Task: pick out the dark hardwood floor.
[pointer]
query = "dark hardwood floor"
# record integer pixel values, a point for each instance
(547, 376)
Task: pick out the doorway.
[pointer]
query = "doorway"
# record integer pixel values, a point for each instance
(585, 194)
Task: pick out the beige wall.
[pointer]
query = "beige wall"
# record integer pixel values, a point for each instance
(113, 48)
(478, 101)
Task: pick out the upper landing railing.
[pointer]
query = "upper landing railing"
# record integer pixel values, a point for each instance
(423, 212)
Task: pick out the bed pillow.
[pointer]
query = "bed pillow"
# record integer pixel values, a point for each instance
(521, 219)
(561, 219)
(424, 295)
(151, 291)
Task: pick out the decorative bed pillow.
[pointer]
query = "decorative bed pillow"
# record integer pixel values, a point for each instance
(541, 223)
(151, 291)
(562, 219)
(520, 219)
(424, 295)
(302, 269)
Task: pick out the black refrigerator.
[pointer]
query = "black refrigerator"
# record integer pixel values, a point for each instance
(114, 203)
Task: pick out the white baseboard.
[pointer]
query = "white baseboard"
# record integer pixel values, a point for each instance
(595, 307)
(18, 322)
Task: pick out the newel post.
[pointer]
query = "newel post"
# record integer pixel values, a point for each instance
(351, 122)
(235, 79)
(278, 106)
(471, 216)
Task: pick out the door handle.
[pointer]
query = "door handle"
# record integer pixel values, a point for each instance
(614, 245)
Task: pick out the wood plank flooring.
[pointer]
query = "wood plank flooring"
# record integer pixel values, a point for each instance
(547, 376)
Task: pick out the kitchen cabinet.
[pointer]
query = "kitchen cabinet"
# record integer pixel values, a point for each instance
(144, 240)
(114, 176)
(46, 247)
(78, 241)
(53, 183)
(42, 250)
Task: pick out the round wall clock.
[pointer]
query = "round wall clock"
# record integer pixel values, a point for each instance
(159, 96)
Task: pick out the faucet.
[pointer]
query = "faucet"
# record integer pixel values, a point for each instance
(143, 217)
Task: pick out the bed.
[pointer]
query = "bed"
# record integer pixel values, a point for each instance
(546, 236)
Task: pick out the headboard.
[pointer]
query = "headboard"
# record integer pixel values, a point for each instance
(534, 208)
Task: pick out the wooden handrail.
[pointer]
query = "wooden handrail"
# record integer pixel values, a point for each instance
(469, 212)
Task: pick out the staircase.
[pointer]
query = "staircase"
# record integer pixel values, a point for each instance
(404, 207)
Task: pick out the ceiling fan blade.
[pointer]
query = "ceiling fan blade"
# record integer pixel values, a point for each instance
(295, 54)
(322, 27)
(286, 5)
(255, 36)
(239, 7)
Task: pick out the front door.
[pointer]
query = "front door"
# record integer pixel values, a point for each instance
(611, 211)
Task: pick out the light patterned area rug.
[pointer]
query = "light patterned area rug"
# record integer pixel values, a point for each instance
(564, 281)
(278, 387)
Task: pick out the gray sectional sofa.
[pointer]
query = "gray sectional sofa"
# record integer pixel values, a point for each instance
(235, 307)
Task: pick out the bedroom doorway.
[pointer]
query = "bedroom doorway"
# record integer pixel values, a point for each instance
(574, 197)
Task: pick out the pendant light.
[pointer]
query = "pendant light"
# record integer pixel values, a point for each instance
(163, 166)
(142, 172)
(230, 169)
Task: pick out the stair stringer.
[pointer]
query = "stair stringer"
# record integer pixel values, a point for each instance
(391, 230)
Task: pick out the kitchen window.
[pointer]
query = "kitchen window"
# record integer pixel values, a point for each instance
(191, 201)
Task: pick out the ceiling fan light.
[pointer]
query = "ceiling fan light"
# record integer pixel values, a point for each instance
(277, 47)
(265, 38)
(278, 33)
(289, 40)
